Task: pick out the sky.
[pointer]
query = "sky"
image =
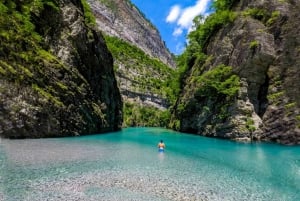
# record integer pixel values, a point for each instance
(173, 18)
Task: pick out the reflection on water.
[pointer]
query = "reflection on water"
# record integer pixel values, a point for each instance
(161, 156)
(126, 165)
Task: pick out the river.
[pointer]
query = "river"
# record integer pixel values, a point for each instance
(126, 165)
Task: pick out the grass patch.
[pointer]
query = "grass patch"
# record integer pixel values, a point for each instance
(253, 45)
(8, 67)
(275, 96)
(250, 124)
(62, 86)
(256, 13)
(290, 105)
(47, 96)
(274, 16)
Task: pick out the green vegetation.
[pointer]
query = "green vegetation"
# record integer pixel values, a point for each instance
(98, 112)
(151, 74)
(212, 24)
(253, 45)
(135, 115)
(36, 79)
(47, 58)
(210, 90)
(275, 96)
(298, 120)
(47, 96)
(8, 68)
(20, 44)
(147, 76)
(218, 81)
(274, 16)
(224, 4)
(250, 124)
(62, 86)
(199, 38)
(217, 88)
(175, 124)
(290, 106)
(88, 14)
(24, 58)
(262, 15)
(256, 13)
(110, 4)
(210, 94)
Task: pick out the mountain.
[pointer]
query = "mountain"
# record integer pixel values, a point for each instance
(122, 19)
(145, 69)
(242, 73)
(56, 73)
(237, 79)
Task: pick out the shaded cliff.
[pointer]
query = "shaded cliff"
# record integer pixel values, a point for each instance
(242, 77)
(56, 73)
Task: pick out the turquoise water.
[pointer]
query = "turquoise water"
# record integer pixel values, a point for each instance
(127, 166)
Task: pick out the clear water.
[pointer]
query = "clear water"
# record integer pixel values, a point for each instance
(127, 166)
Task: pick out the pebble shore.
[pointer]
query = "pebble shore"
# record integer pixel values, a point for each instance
(108, 185)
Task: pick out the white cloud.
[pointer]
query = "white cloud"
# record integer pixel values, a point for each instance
(178, 31)
(189, 13)
(173, 14)
(179, 48)
(184, 17)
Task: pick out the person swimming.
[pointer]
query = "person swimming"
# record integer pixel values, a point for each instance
(161, 146)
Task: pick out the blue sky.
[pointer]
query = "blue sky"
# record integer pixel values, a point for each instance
(173, 18)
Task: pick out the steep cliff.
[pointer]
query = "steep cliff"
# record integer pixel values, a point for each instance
(242, 79)
(143, 65)
(56, 74)
(120, 18)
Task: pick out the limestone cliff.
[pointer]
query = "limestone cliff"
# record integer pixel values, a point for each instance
(122, 19)
(56, 74)
(259, 41)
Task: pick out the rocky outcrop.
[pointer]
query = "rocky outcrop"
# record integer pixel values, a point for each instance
(282, 116)
(56, 74)
(123, 20)
(262, 47)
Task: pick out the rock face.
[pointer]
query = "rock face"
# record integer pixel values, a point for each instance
(142, 63)
(263, 50)
(122, 19)
(141, 79)
(56, 74)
